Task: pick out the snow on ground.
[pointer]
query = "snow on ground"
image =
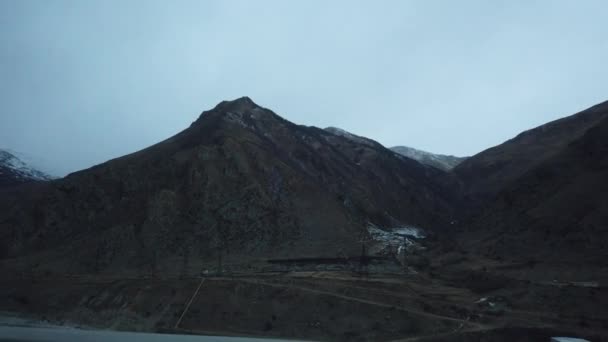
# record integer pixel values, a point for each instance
(410, 231)
(395, 239)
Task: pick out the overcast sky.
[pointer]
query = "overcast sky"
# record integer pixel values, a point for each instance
(84, 81)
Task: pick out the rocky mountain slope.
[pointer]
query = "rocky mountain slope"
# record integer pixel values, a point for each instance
(14, 171)
(240, 183)
(487, 173)
(549, 187)
(440, 161)
(353, 137)
(122, 245)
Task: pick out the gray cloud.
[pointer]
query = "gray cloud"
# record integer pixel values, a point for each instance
(85, 81)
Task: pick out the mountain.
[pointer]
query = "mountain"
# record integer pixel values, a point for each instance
(546, 192)
(14, 171)
(240, 184)
(507, 246)
(440, 161)
(487, 173)
(353, 137)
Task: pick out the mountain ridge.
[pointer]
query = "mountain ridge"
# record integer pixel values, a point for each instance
(299, 231)
(240, 179)
(546, 202)
(485, 173)
(440, 161)
(14, 171)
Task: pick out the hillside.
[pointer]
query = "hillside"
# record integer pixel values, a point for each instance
(239, 184)
(487, 173)
(299, 232)
(556, 211)
(440, 161)
(13, 171)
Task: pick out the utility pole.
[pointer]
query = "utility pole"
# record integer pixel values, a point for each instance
(403, 251)
(219, 260)
(363, 259)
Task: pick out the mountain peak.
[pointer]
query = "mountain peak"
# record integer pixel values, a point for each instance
(239, 110)
(238, 105)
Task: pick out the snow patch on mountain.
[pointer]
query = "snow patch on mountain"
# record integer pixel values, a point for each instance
(12, 166)
(440, 161)
(350, 136)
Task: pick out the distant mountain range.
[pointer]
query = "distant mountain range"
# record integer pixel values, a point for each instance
(14, 171)
(439, 161)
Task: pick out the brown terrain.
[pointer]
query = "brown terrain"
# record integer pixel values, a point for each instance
(247, 224)
(490, 171)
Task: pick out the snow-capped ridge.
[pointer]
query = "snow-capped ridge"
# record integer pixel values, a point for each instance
(351, 136)
(15, 168)
(440, 161)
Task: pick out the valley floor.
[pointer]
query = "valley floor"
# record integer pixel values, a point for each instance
(322, 305)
